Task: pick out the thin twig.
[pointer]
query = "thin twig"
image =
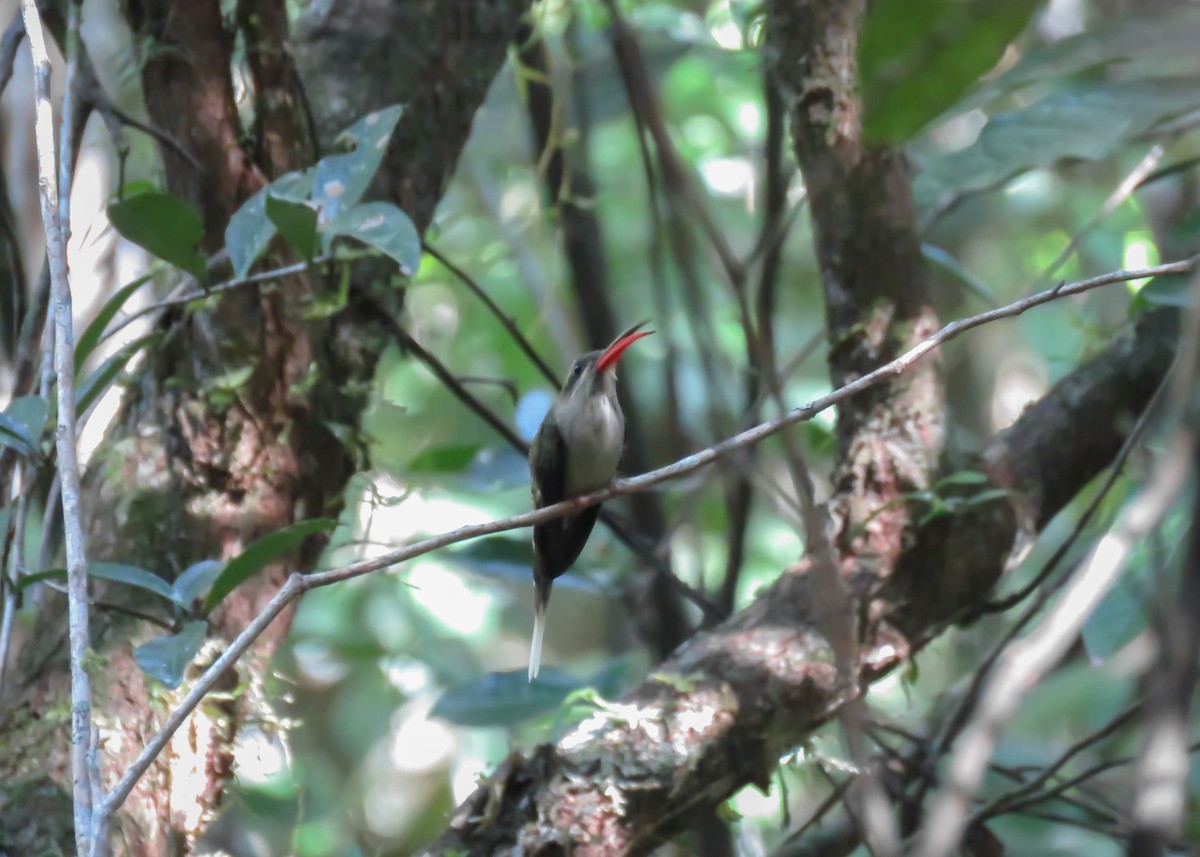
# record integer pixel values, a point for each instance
(1161, 778)
(1027, 661)
(453, 384)
(633, 66)
(16, 532)
(916, 766)
(958, 719)
(113, 114)
(297, 584)
(70, 118)
(76, 548)
(831, 800)
(522, 342)
(1012, 798)
(1002, 605)
(118, 608)
(176, 300)
(762, 358)
(1121, 192)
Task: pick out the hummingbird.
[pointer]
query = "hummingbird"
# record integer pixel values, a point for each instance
(575, 451)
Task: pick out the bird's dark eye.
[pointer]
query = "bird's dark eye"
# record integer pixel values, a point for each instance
(577, 369)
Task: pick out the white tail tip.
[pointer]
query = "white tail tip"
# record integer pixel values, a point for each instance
(535, 648)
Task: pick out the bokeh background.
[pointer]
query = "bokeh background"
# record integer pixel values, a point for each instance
(398, 691)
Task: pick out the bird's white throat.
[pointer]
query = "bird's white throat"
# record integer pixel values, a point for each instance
(593, 431)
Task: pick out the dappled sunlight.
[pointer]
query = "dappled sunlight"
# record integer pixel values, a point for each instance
(449, 599)
(345, 346)
(1021, 378)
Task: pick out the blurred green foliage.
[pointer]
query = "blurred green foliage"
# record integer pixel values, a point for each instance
(401, 689)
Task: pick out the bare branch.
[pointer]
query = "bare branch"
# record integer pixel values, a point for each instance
(505, 320)
(1030, 659)
(1162, 769)
(64, 345)
(297, 584)
(970, 698)
(1017, 796)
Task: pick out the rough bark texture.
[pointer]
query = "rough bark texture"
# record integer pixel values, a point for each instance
(183, 479)
(872, 273)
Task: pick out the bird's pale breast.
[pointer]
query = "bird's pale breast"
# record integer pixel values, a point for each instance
(596, 442)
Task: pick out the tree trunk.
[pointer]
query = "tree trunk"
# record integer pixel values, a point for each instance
(183, 479)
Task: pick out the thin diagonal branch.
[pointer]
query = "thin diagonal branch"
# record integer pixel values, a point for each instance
(958, 720)
(1160, 805)
(1012, 798)
(297, 584)
(1030, 659)
(505, 320)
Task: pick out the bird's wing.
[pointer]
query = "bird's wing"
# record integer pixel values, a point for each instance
(576, 530)
(549, 483)
(549, 487)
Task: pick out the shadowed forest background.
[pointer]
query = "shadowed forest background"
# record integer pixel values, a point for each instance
(447, 202)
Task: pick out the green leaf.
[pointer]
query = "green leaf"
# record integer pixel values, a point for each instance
(248, 234)
(342, 179)
(195, 581)
(937, 509)
(1089, 121)
(989, 496)
(330, 303)
(27, 580)
(261, 553)
(95, 384)
(1123, 612)
(727, 813)
(166, 658)
(1171, 290)
(1155, 32)
(30, 413)
(136, 187)
(293, 186)
(131, 575)
(296, 222)
(1118, 618)
(505, 698)
(386, 228)
(918, 57)
(443, 459)
(250, 230)
(232, 380)
(963, 477)
(951, 265)
(222, 391)
(90, 338)
(164, 225)
(16, 436)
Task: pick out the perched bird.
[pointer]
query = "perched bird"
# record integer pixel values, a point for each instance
(575, 452)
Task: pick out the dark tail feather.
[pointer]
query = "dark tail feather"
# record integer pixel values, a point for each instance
(576, 529)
